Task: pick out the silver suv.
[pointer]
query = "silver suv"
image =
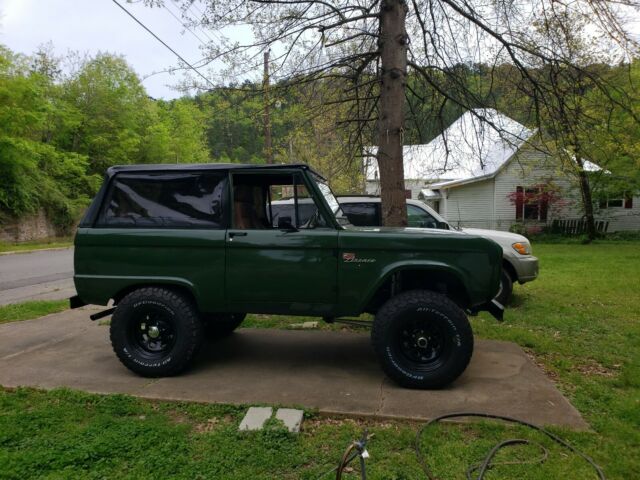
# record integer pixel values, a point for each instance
(518, 265)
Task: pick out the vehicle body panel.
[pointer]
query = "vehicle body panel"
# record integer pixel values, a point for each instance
(108, 261)
(392, 250)
(275, 270)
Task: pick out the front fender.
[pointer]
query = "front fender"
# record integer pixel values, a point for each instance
(424, 265)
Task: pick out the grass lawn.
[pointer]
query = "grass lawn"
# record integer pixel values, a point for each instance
(580, 320)
(36, 245)
(32, 309)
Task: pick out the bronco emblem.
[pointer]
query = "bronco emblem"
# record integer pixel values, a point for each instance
(349, 257)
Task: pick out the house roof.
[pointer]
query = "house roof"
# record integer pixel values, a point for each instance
(475, 146)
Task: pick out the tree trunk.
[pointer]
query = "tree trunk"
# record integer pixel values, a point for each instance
(393, 53)
(587, 199)
(268, 149)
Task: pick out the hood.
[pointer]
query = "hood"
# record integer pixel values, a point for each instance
(503, 238)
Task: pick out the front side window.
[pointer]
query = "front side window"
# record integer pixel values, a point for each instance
(273, 201)
(171, 200)
(332, 201)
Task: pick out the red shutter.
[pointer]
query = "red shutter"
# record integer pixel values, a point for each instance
(544, 207)
(519, 202)
(628, 201)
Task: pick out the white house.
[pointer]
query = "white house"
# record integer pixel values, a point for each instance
(485, 171)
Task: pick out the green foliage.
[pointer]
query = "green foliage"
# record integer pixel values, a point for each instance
(59, 134)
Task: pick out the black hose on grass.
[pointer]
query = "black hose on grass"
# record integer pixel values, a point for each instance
(486, 463)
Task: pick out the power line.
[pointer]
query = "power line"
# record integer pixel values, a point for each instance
(202, 15)
(163, 43)
(164, 5)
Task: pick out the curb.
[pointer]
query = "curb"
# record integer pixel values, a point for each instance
(18, 252)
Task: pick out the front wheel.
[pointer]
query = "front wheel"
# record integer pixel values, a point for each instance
(155, 332)
(422, 339)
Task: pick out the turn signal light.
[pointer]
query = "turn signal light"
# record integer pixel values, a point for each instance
(522, 248)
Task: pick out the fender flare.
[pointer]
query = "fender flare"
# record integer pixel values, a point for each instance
(426, 265)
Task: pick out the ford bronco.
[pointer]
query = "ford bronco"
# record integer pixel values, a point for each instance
(185, 251)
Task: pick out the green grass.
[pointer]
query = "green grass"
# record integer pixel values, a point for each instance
(36, 245)
(29, 310)
(580, 319)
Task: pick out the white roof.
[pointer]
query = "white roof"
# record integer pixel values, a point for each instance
(475, 145)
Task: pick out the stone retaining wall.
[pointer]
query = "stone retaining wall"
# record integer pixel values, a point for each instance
(33, 227)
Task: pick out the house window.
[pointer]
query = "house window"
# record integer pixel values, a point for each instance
(624, 200)
(531, 204)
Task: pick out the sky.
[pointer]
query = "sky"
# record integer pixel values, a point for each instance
(99, 25)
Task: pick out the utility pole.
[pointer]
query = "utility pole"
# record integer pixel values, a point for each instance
(268, 150)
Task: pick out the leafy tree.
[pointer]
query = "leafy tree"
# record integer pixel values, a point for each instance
(374, 46)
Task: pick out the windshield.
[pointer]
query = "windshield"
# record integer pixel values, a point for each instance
(332, 201)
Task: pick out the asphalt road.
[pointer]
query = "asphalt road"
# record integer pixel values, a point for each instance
(41, 275)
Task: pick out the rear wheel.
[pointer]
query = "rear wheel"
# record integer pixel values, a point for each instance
(222, 324)
(155, 332)
(422, 339)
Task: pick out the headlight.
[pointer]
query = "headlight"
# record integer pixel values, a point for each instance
(522, 248)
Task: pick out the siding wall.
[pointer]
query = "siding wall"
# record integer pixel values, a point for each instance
(373, 187)
(528, 168)
(469, 205)
(622, 218)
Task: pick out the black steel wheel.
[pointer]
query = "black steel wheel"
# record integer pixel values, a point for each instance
(155, 332)
(422, 339)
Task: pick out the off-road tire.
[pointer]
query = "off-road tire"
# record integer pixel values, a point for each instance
(445, 328)
(173, 313)
(506, 288)
(221, 324)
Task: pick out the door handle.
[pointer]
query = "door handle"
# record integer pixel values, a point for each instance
(237, 234)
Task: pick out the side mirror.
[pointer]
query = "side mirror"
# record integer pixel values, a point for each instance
(443, 226)
(284, 223)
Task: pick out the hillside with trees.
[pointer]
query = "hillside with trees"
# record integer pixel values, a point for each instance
(64, 121)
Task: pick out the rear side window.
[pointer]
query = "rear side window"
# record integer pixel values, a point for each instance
(362, 214)
(173, 200)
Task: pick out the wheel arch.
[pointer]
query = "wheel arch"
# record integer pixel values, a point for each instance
(183, 287)
(437, 277)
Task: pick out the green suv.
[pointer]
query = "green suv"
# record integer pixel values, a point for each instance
(186, 251)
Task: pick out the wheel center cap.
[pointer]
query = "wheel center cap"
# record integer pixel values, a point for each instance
(153, 332)
(422, 342)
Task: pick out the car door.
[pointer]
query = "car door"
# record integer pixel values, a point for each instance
(271, 269)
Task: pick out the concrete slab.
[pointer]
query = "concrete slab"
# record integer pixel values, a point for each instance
(291, 417)
(334, 372)
(255, 418)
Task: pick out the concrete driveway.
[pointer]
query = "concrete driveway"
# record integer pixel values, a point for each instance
(39, 275)
(334, 372)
